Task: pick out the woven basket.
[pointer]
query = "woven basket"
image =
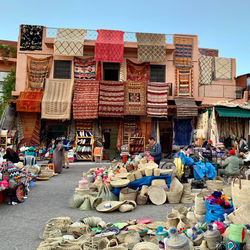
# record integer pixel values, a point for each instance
(76, 201)
(46, 172)
(128, 194)
(240, 193)
(172, 220)
(138, 174)
(184, 223)
(148, 171)
(214, 184)
(78, 227)
(227, 190)
(200, 207)
(157, 172)
(142, 200)
(241, 215)
(180, 210)
(61, 223)
(174, 197)
(131, 177)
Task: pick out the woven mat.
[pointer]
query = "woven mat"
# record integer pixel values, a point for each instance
(29, 101)
(209, 52)
(186, 107)
(223, 68)
(205, 69)
(135, 98)
(184, 82)
(137, 72)
(111, 100)
(85, 69)
(37, 70)
(31, 37)
(157, 97)
(35, 138)
(183, 50)
(85, 103)
(20, 134)
(151, 47)
(56, 102)
(109, 46)
(69, 42)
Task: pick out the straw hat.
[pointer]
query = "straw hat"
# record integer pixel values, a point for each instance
(158, 182)
(154, 225)
(145, 246)
(157, 195)
(127, 206)
(109, 206)
(122, 175)
(120, 183)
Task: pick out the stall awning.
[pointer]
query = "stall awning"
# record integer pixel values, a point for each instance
(233, 112)
(186, 107)
(29, 101)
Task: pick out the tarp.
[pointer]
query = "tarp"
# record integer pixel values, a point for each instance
(233, 112)
(201, 169)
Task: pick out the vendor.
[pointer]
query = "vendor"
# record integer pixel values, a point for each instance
(30, 151)
(243, 147)
(65, 143)
(155, 150)
(232, 164)
(11, 155)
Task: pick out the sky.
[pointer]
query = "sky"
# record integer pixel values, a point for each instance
(219, 24)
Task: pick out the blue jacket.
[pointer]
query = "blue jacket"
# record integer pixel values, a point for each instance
(66, 145)
(156, 151)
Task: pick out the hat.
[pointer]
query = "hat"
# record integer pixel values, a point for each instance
(109, 206)
(127, 206)
(157, 195)
(120, 183)
(232, 152)
(145, 246)
(210, 141)
(31, 148)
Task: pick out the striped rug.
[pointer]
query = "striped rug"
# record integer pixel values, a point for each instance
(157, 97)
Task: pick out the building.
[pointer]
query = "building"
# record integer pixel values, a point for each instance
(120, 100)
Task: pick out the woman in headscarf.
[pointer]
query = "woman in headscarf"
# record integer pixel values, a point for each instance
(11, 155)
(58, 155)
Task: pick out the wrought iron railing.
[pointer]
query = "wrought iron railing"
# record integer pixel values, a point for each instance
(92, 35)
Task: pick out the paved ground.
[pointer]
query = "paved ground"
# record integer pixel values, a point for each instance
(21, 225)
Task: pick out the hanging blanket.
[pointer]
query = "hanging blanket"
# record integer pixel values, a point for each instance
(184, 82)
(206, 69)
(85, 103)
(56, 102)
(85, 69)
(35, 139)
(223, 68)
(111, 101)
(29, 101)
(109, 46)
(31, 37)
(209, 52)
(137, 72)
(151, 47)
(186, 107)
(8, 117)
(157, 98)
(135, 98)
(37, 70)
(69, 42)
(182, 132)
(19, 127)
(122, 72)
(183, 50)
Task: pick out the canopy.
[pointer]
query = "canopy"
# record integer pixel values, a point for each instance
(233, 112)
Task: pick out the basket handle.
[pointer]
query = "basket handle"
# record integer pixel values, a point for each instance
(111, 241)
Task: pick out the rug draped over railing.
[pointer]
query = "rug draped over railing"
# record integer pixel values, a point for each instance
(37, 70)
(182, 132)
(137, 72)
(184, 82)
(151, 47)
(85, 102)
(85, 69)
(29, 101)
(111, 100)
(109, 46)
(69, 42)
(209, 52)
(206, 69)
(186, 107)
(135, 98)
(223, 68)
(157, 98)
(56, 102)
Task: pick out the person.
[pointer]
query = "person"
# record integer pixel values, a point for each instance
(65, 143)
(209, 151)
(11, 155)
(236, 147)
(155, 150)
(51, 147)
(58, 156)
(30, 151)
(243, 147)
(231, 164)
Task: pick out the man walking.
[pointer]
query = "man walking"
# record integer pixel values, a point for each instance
(66, 149)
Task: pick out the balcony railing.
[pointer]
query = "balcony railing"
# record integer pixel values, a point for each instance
(92, 35)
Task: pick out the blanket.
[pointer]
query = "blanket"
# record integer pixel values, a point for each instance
(205, 69)
(223, 68)
(182, 132)
(137, 72)
(85, 69)
(184, 82)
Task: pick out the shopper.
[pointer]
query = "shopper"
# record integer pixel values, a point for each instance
(58, 156)
(155, 150)
(232, 164)
(243, 145)
(30, 151)
(66, 149)
(11, 155)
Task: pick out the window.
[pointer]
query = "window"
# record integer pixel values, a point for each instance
(157, 73)
(111, 71)
(3, 75)
(239, 93)
(62, 69)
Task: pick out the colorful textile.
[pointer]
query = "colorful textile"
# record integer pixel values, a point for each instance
(205, 69)
(35, 139)
(109, 46)
(85, 102)
(37, 70)
(111, 100)
(184, 82)
(29, 101)
(85, 69)
(31, 37)
(135, 98)
(179, 167)
(20, 134)
(137, 72)
(209, 52)
(183, 50)
(157, 98)
(223, 68)
(122, 72)
(182, 132)
(201, 170)
(69, 42)
(202, 126)
(151, 47)
(56, 102)
(186, 107)
(214, 136)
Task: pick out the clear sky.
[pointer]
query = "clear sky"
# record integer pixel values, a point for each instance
(219, 24)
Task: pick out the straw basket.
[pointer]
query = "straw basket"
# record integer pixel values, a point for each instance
(240, 215)
(157, 172)
(61, 223)
(148, 171)
(183, 223)
(175, 192)
(138, 174)
(240, 193)
(142, 199)
(172, 220)
(227, 190)
(215, 184)
(78, 227)
(180, 210)
(200, 207)
(131, 177)
(46, 172)
(76, 201)
(128, 194)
